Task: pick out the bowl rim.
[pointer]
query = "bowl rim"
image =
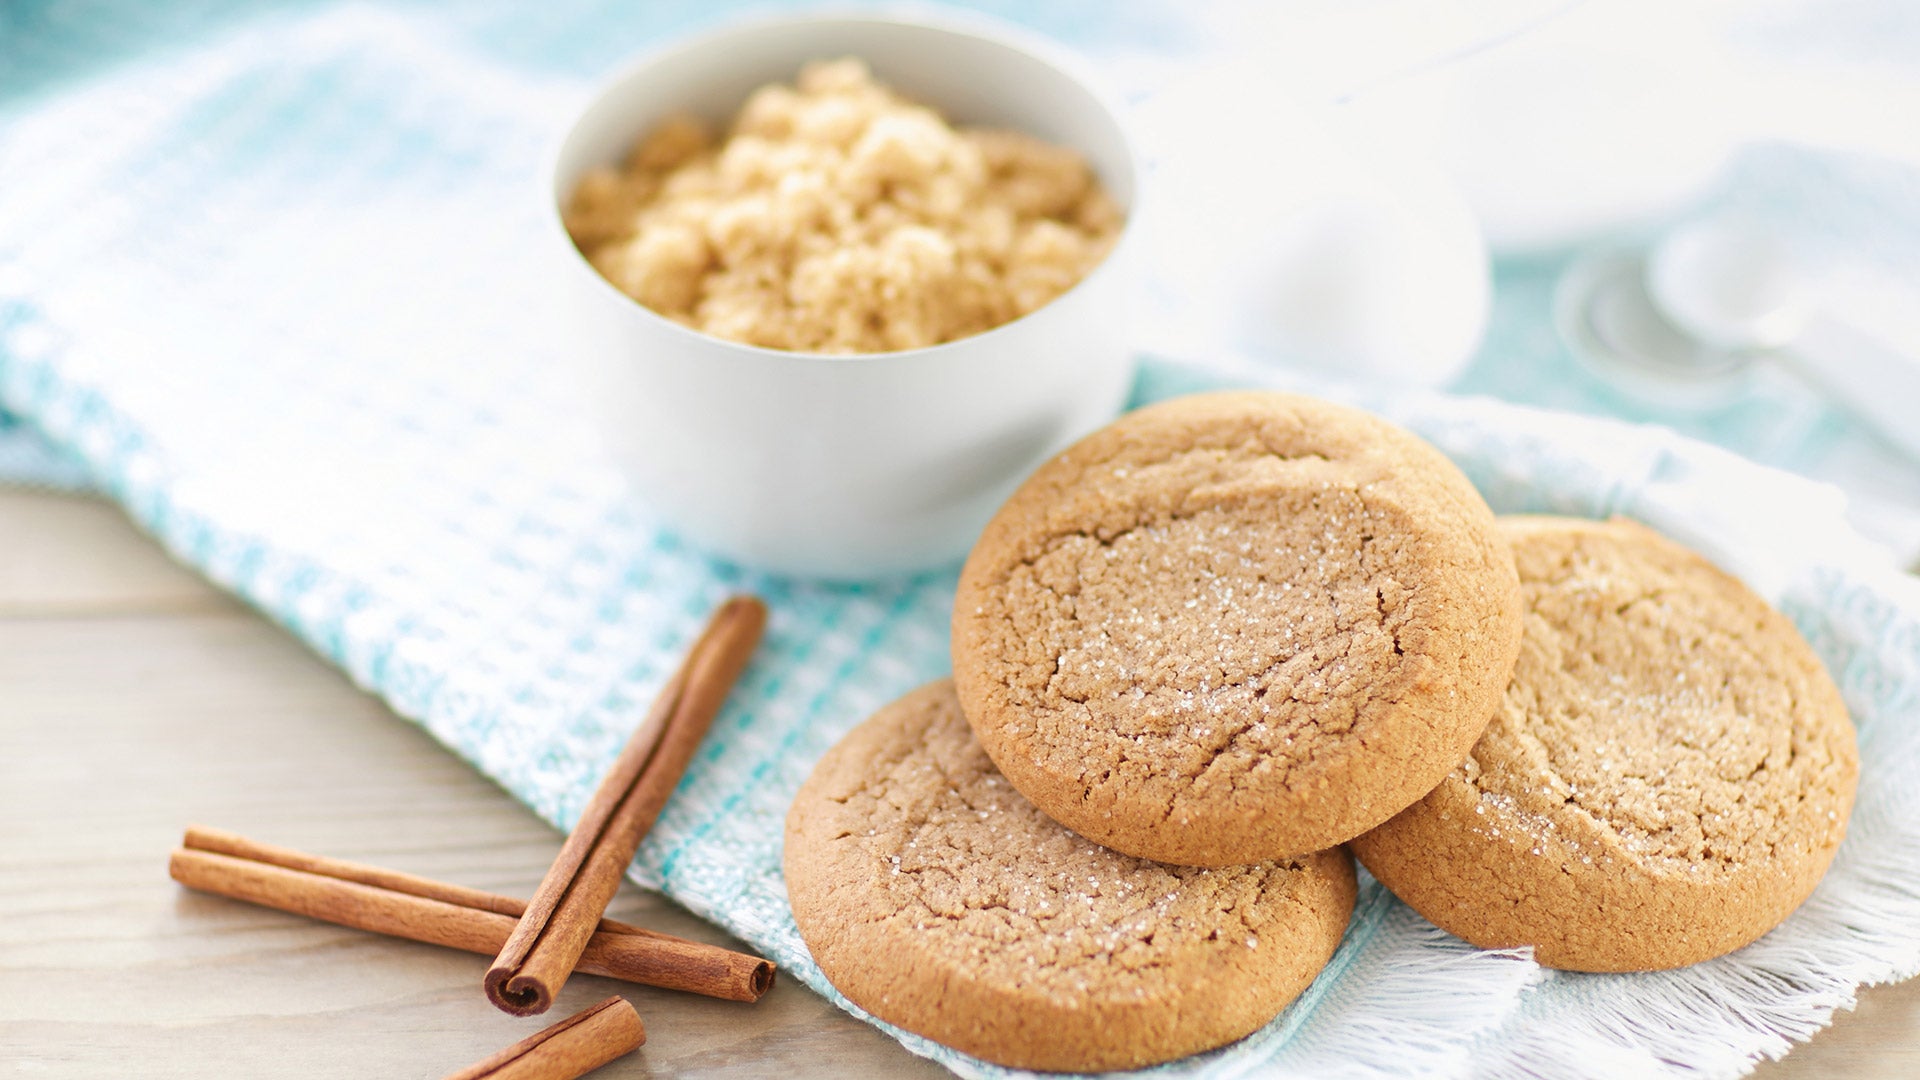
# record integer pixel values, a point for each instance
(996, 31)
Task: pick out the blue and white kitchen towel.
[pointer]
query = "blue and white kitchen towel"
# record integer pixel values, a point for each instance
(272, 295)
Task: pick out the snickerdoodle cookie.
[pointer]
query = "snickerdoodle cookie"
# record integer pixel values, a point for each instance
(1667, 780)
(1235, 627)
(938, 899)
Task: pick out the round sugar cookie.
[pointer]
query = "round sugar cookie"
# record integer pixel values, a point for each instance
(1235, 627)
(938, 899)
(1667, 779)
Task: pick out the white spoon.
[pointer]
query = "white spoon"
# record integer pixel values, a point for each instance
(1733, 285)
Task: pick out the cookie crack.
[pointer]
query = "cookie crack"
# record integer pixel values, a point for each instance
(1386, 618)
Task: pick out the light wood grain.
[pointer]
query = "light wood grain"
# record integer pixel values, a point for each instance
(60, 554)
(134, 700)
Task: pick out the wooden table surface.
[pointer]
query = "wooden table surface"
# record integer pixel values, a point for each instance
(135, 699)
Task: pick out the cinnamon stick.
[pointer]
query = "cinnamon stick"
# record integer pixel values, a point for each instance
(573, 1047)
(420, 909)
(560, 919)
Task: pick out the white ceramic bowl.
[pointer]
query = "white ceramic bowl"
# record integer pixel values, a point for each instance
(849, 467)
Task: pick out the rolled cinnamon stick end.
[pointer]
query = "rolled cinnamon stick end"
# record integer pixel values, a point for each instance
(573, 1047)
(676, 964)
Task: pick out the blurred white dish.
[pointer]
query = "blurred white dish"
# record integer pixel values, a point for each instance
(1598, 121)
(1733, 284)
(1289, 233)
(1685, 321)
(1729, 283)
(848, 467)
